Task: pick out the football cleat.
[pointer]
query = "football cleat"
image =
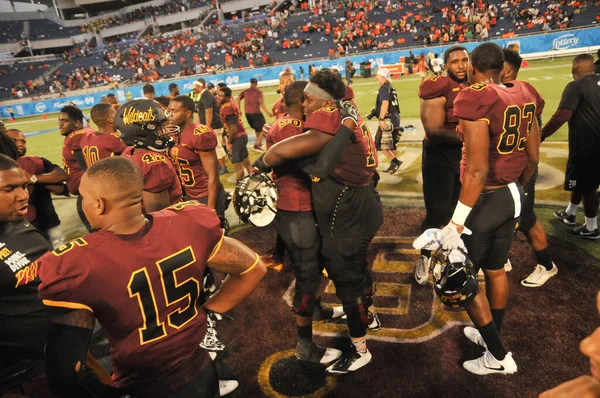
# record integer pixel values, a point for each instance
(565, 217)
(507, 266)
(487, 364)
(327, 313)
(474, 336)
(394, 166)
(375, 323)
(583, 232)
(227, 387)
(539, 276)
(317, 354)
(422, 270)
(350, 362)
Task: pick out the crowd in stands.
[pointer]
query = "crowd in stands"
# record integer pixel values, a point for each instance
(343, 27)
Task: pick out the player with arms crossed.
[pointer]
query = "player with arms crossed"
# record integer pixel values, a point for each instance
(347, 207)
(140, 276)
(107, 141)
(143, 125)
(500, 132)
(441, 147)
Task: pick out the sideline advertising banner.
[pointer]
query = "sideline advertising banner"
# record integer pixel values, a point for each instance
(557, 41)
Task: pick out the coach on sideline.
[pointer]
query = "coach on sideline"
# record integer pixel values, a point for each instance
(23, 318)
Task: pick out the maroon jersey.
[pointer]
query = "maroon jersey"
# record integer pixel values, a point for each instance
(159, 173)
(230, 112)
(359, 161)
(33, 165)
(99, 146)
(143, 289)
(70, 145)
(279, 108)
(195, 138)
(349, 94)
(445, 87)
(509, 112)
(252, 96)
(293, 183)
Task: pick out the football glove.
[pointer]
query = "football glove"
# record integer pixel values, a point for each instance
(347, 111)
(261, 165)
(451, 239)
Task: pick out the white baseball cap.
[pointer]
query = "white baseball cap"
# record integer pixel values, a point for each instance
(385, 73)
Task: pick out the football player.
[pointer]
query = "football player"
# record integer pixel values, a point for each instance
(237, 139)
(296, 225)
(579, 106)
(106, 142)
(23, 318)
(143, 125)
(195, 157)
(70, 125)
(500, 133)
(529, 224)
(441, 147)
(285, 79)
(140, 277)
(347, 207)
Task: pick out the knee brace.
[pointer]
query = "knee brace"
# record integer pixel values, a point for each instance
(308, 280)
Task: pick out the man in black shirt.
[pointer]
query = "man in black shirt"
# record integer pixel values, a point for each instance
(387, 109)
(208, 113)
(580, 106)
(24, 320)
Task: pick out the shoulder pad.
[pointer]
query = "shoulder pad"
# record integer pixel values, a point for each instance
(433, 87)
(67, 247)
(201, 129)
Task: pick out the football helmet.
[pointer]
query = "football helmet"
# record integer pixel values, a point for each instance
(255, 199)
(144, 123)
(455, 278)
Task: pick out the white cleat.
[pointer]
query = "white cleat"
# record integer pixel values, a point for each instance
(539, 276)
(350, 362)
(473, 335)
(507, 266)
(422, 270)
(487, 364)
(227, 387)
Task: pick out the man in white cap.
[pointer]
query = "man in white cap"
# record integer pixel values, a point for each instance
(387, 109)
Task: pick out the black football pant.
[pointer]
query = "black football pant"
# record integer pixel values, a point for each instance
(205, 385)
(298, 231)
(346, 263)
(441, 183)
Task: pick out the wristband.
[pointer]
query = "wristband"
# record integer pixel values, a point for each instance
(461, 212)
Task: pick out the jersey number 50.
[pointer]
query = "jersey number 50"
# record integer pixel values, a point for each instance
(185, 293)
(511, 130)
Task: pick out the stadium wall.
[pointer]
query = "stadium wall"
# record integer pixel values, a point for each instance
(558, 42)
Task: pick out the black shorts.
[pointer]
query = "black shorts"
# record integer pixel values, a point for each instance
(256, 121)
(441, 182)
(582, 174)
(528, 217)
(239, 150)
(221, 201)
(492, 222)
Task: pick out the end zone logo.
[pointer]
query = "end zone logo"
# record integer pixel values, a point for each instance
(40, 107)
(563, 42)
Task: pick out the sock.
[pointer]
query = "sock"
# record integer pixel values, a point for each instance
(544, 258)
(498, 316)
(571, 208)
(305, 333)
(426, 253)
(492, 339)
(591, 223)
(360, 343)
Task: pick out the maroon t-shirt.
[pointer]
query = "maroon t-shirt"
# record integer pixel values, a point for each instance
(143, 289)
(359, 161)
(33, 165)
(71, 144)
(158, 171)
(195, 138)
(99, 146)
(252, 97)
(509, 112)
(228, 112)
(279, 108)
(445, 87)
(293, 183)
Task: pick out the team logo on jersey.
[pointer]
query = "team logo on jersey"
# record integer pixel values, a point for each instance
(133, 115)
(328, 109)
